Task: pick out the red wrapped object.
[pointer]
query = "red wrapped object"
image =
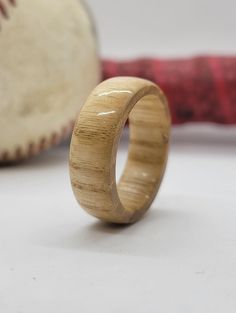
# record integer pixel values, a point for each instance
(200, 89)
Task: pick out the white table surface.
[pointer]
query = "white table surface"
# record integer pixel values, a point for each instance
(180, 258)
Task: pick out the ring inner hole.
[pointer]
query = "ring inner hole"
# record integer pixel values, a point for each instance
(147, 153)
(122, 153)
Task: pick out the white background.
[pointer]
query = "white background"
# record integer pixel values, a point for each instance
(165, 27)
(181, 257)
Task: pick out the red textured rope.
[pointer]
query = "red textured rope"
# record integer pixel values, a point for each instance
(200, 89)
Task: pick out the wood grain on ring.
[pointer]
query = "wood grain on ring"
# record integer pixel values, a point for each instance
(95, 142)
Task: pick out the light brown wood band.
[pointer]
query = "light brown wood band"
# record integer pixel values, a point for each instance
(95, 142)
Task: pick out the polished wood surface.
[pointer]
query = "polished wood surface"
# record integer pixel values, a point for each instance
(95, 142)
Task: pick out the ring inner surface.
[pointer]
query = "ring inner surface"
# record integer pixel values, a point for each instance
(148, 147)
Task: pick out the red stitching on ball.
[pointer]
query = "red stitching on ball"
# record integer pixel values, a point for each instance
(12, 2)
(33, 148)
(46, 142)
(4, 8)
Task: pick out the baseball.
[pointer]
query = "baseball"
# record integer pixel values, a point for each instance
(48, 66)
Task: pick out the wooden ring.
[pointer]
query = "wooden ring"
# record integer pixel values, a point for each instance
(95, 142)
